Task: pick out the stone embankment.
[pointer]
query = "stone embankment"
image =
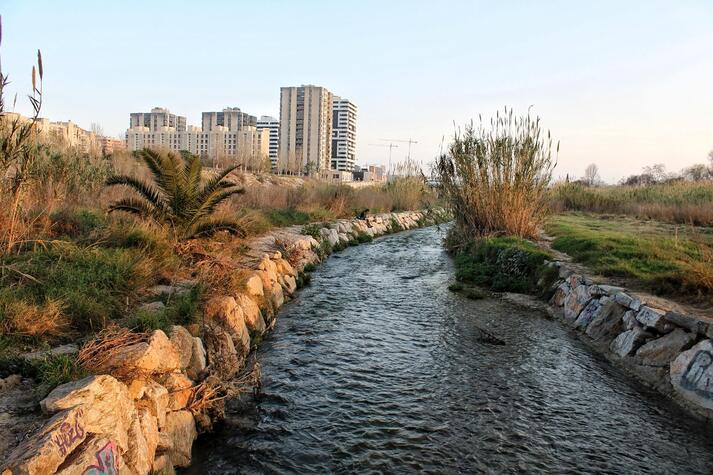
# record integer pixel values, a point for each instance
(152, 394)
(658, 341)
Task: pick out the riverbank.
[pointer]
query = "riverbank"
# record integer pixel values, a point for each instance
(665, 344)
(152, 393)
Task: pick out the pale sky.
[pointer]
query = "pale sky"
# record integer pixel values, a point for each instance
(622, 84)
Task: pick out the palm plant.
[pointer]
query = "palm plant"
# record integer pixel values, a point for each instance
(179, 197)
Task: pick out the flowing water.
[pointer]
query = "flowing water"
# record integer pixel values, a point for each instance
(377, 368)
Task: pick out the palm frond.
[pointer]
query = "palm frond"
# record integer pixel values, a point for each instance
(214, 182)
(211, 226)
(211, 202)
(134, 206)
(148, 192)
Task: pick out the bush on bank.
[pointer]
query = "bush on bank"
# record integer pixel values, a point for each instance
(505, 264)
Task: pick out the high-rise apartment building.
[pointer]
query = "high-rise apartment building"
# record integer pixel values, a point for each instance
(272, 125)
(157, 119)
(232, 118)
(305, 129)
(343, 134)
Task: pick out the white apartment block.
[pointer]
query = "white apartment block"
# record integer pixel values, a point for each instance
(272, 125)
(231, 118)
(305, 129)
(157, 119)
(344, 115)
(244, 145)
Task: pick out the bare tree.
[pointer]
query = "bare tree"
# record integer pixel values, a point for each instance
(591, 175)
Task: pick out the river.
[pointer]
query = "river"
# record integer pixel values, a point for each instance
(377, 367)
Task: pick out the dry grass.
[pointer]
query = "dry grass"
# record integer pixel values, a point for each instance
(29, 320)
(681, 202)
(98, 354)
(495, 179)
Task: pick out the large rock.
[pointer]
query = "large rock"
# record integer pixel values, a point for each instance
(183, 341)
(142, 450)
(254, 286)
(228, 314)
(45, 451)
(588, 313)
(652, 318)
(689, 322)
(692, 374)
(560, 294)
(661, 351)
(629, 320)
(150, 396)
(198, 360)
(180, 389)
(223, 360)
(181, 431)
(629, 341)
(251, 311)
(608, 321)
(622, 298)
(97, 455)
(157, 355)
(108, 409)
(575, 302)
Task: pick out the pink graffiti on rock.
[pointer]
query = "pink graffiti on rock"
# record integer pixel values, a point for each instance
(107, 461)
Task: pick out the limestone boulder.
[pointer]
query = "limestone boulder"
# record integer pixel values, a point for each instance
(228, 314)
(183, 341)
(692, 374)
(575, 302)
(689, 322)
(652, 318)
(661, 351)
(223, 359)
(560, 294)
(179, 388)
(277, 296)
(254, 285)
(633, 303)
(588, 313)
(629, 320)
(284, 267)
(154, 399)
(108, 409)
(181, 431)
(289, 284)
(162, 465)
(608, 321)
(143, 438)
(97, 455)
(157, 355)
(251, 311)
(198, 360)
(629, 341)
(47, 449)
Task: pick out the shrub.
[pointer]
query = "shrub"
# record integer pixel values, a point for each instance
(495, 180)
(311, 230)
(503, 264)
(56, 370)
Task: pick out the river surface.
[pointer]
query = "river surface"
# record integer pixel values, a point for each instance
(377, 368)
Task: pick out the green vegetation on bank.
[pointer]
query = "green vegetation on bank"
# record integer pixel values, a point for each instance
(664, 259)
(504, 264)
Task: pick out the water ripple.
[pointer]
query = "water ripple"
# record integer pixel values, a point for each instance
(378, 368)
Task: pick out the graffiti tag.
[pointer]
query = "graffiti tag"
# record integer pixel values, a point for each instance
(697, 376)
(68, 434)
(107, 463)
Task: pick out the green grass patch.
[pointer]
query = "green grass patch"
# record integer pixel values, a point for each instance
(503, 264)
(180, 309)
(665, 259)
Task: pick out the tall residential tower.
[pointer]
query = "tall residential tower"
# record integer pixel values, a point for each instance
(343, 134)
(305, 129)
(272, 125)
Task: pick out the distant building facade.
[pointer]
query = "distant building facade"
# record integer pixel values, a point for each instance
(344, 114)
(227, 136)
(157, 119)
(272, 125)
(305, 129)
(110, 145)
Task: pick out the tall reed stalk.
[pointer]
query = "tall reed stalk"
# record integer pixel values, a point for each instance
(495, 178)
